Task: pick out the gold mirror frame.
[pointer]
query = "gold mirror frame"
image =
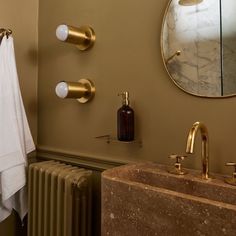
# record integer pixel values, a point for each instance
(176, 54)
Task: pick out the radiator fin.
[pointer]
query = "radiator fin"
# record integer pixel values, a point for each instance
(59, 200)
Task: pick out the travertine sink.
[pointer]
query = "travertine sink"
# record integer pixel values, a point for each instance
(144, 199)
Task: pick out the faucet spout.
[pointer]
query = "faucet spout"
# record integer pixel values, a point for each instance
(205, 146)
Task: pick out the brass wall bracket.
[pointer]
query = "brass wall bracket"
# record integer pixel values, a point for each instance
(83, 90)
(109, 139)
(83, 37)
(231, 180)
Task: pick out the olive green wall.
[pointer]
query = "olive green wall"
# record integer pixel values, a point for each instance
(22, 18)
(126, 56)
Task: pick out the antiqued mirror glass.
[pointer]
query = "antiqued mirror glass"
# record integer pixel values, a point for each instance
(198, 44)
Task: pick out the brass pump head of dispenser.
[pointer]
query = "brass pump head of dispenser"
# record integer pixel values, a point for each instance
(125, 98)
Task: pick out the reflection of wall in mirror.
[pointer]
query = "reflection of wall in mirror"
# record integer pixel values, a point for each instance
(195, 31)
(229, 46)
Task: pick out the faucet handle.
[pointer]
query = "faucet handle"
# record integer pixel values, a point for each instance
(177, 157)
(178, 167)
(231, 180)
(231, 164)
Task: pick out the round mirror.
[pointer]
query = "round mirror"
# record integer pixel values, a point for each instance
(198, 43)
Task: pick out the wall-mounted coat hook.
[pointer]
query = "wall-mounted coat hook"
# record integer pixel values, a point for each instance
(83, 37)
(83, 90)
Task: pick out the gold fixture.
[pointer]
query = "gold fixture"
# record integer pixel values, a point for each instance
(189, 2)
(83, 90)
(177, 53)
(205, 146)
(231, 180)
(178, 168)
(109, 139)
(5, 32)
(83, 37)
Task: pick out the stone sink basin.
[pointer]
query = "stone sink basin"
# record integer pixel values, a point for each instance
(145, 200)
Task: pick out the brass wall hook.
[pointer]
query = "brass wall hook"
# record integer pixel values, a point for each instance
(83, 37)
(5, 32)
(8, 32)
(83, 90)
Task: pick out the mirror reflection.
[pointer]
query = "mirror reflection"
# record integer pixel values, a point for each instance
(199, 46)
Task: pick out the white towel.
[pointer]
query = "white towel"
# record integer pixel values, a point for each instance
(10, 146)
(23, 126)
(15, 140)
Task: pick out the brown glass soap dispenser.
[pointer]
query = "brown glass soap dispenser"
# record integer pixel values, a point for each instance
(125, 120)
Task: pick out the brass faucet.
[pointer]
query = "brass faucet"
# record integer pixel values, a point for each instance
(205, 146)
